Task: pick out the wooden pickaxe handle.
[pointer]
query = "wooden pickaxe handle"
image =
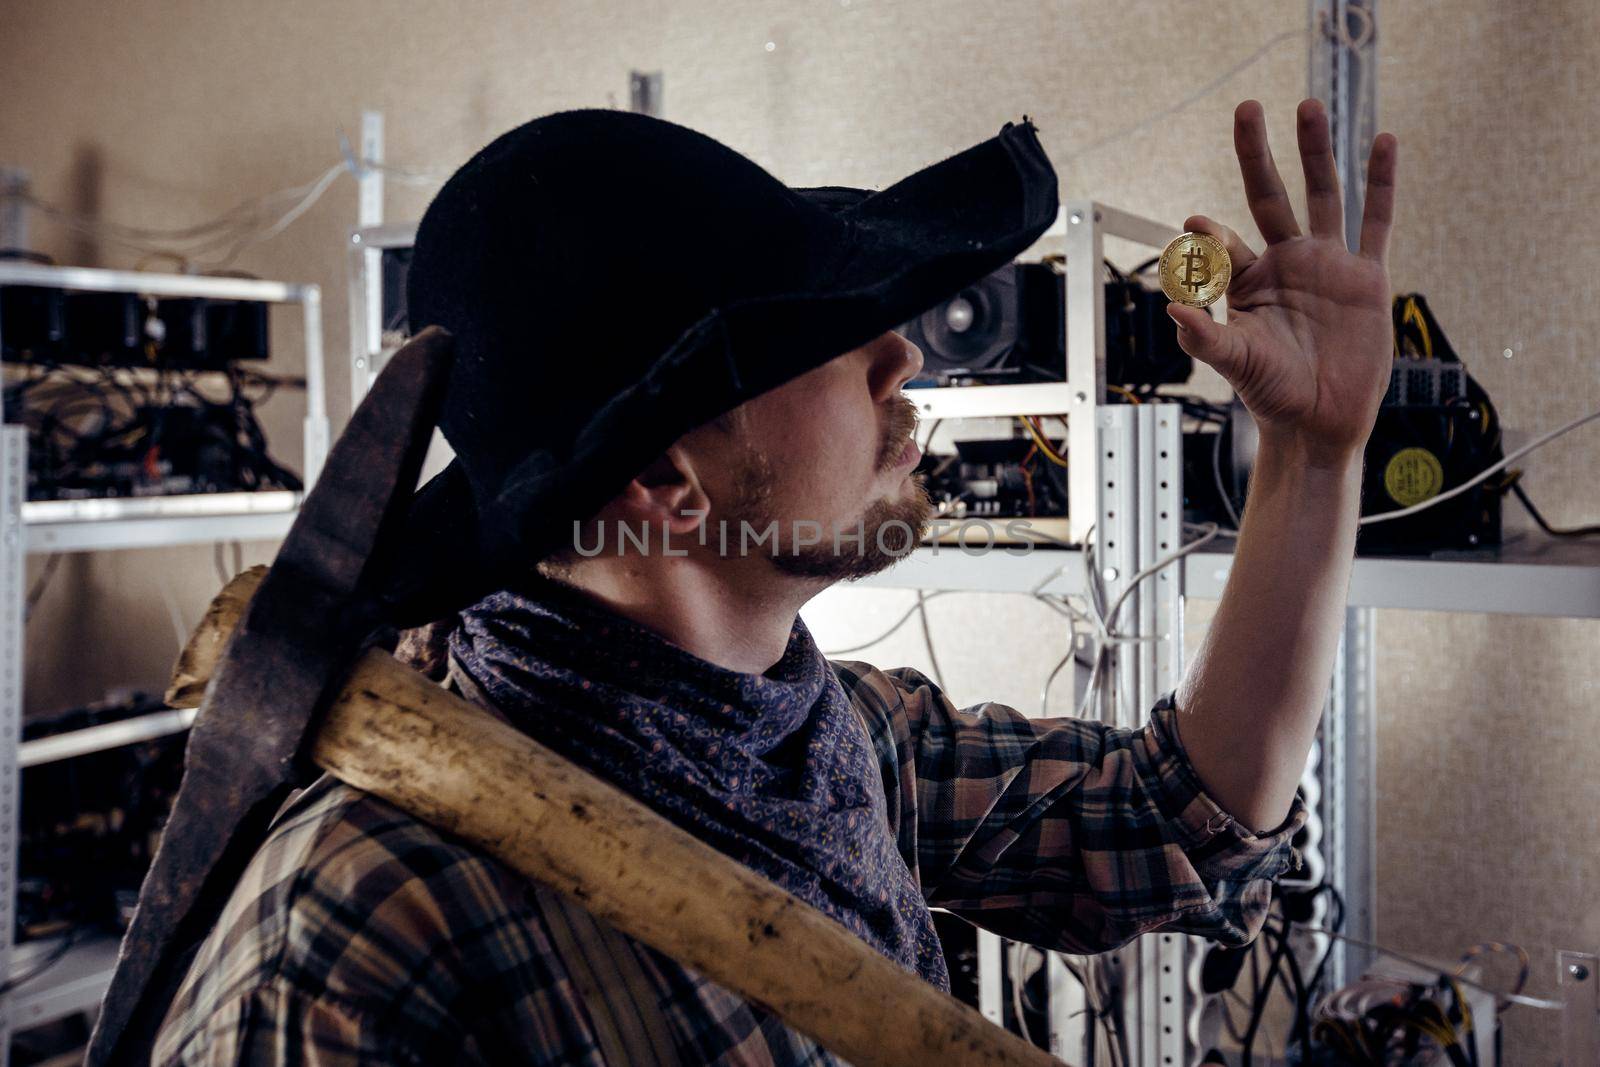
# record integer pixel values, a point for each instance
(393, 733)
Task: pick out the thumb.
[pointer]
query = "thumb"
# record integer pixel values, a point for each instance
(1204, 338)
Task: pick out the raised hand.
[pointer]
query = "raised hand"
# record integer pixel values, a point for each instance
(1309, 343)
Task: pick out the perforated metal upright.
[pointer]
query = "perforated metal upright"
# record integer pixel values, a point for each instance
(1140, 457)
(1105, 479)
(1341, 791)
(13, 549)
(1132, 486)
(1342, 72)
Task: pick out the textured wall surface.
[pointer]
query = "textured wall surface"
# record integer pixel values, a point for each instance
(1487, 819)
(167, 113)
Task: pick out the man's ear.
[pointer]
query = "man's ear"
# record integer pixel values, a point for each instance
(667, 492)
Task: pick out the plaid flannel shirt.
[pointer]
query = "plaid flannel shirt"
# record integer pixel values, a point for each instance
(359, 935)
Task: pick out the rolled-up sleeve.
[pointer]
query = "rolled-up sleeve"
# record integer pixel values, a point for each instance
(1061, 832)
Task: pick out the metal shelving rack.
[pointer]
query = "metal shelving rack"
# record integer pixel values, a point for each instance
(77, 981)
(1530, 576)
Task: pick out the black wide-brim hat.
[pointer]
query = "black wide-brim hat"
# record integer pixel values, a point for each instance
(613, 281)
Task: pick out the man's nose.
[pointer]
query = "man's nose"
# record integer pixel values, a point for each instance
(895, 361)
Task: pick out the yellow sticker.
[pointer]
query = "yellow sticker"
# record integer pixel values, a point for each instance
(1412, 476)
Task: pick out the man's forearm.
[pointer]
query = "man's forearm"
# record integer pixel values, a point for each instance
(1249, 704)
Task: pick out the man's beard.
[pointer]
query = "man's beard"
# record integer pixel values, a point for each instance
(886, 532)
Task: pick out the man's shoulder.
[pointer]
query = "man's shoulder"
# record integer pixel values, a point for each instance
(334, 833)
(348, 863)
(884, 697)
(892, 704)
(364, 907)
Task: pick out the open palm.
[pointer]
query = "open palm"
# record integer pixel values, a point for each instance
(1308, 344)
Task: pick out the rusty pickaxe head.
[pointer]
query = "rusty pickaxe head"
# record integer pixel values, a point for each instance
(316, 609)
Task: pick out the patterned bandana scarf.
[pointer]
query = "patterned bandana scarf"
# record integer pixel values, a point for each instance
(775, 770)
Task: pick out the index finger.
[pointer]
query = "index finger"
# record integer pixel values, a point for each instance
(1378, 217)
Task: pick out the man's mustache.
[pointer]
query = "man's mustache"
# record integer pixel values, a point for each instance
(903, 420)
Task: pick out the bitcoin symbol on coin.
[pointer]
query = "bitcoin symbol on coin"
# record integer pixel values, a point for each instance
(1195, 269)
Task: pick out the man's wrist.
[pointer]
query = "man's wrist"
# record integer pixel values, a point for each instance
(1291, 447)
(1296, 472)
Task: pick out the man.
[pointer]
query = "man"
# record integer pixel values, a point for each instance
(649, 332)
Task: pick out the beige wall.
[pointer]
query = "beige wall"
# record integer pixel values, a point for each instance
(168, 113)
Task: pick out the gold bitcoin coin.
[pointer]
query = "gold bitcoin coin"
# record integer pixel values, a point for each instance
(1195, 269)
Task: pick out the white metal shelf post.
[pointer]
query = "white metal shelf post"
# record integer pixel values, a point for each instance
(1104, 483)
(316, 432)
(368, 352)
(1342, 73)
(1138, 455)
(1086, 363)
(1131, 485)
(1139, 458)
(1347, 777)
(13, 487)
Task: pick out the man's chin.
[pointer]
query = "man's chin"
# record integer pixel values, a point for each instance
(891, 528)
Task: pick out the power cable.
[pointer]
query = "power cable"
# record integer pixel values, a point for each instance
(1553, 531)
(40, 584)
(1222, 491)
(885, 635)
(242, 226)
(1105, 633)
(1510, 998)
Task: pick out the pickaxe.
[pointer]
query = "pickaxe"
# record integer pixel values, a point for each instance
(292, 681)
